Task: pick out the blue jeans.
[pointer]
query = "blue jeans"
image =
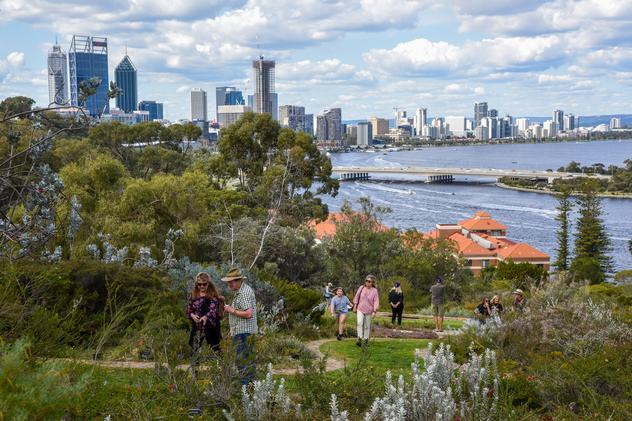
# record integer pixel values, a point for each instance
(245, 358)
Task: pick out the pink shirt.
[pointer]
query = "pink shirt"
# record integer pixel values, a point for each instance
(367, 300)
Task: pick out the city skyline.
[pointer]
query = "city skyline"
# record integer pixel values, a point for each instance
(516, 56)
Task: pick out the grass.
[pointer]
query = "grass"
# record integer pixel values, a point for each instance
(393, 354)
(420, 322)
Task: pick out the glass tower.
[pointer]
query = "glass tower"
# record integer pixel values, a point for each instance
(57, 77)
(125, 77)
(154, 108)
(264, 99)
(88, 58)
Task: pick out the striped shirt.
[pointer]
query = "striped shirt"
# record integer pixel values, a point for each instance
(243, 300)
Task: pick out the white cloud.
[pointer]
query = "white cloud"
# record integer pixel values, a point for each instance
(330, 69)
(13, 61)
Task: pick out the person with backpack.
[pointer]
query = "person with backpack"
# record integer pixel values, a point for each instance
(396, 300)
(365, 303)
(339, 308)
(204, 309)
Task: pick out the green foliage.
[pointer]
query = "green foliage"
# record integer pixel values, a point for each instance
(522, 275)
(298, 300)
(15, 105)
(32, 389)
(587, 269)
(564, 208)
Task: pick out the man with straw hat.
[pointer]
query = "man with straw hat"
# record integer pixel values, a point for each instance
(242, 319)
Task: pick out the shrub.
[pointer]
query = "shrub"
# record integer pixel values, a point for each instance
(587, 269)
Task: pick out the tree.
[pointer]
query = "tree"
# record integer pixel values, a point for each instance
(564, 207)
(16, 105)
(522, 275)
(592, 240)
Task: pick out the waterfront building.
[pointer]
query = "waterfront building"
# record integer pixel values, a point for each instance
(536, 131)
(558, 117)
(456, 126)
(615, 123)
(482, 132)
(57, 76)
(294, 117)
(264, 99)
(351, 135)
(523, 124)
(549, 129)
(492, 113)
(480, 111)
(421, 117)
(505, 127)
(569, 122)
(365, 133)
(482, 242)
(199, 104)
(430, 132)
(439, 124)
(329, 125)
(401, 117)
(229, 114)
(87, 59)
(154, 108)
(380, 126)
(125, 76)
(309, 124)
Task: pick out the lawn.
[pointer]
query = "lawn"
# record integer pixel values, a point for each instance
(420, 322)
(393, 354)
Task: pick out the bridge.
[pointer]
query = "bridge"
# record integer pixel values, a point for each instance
(447, 174)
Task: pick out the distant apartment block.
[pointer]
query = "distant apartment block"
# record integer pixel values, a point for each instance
(199, 105)
(329, 125)
(365, 134)
(380, 126)
(456, 126)
(294, 117)
(615, 123)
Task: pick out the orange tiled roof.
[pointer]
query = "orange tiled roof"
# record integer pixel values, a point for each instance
(327, 228)
(521, 251)
(468, 248)
(482, 221)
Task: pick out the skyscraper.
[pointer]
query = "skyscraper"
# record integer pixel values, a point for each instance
(126, 81)
(57, 76)
(480, 111)
(365, 134)
(154, 108)
(198, 105)
(329, 125)
(227, 95)
(380, 126)
(264, 98)
(88, 58)
(294, 117)
(421, 116)
(558, 117)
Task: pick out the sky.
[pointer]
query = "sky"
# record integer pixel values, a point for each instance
(525, 58)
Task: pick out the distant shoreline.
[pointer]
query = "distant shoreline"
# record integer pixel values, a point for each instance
(550, 192)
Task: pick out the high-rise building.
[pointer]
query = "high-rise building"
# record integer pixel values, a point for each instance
(615, 123)
(482, 132)
(456, 125)
(126, 81)
(154, 108)
(57, 76)
(352, 135)
(569, 122)
(329, 125)
(549, 129)
(294, 117)
(264, 98)
(558, 117)
(199, 105)
(492, 113)
(87, 59)
(228, 95)
(523, 124)
(309, 124)
(229, 114)
(421, 115)
(365, 133)
(480, 111)
(380, 126)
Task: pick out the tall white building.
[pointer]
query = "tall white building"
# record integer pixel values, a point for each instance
(57, 76)
(536, 131)
(615, 123)
(549, 129)
(456, 125)
(523, 124)
(439, 123)
(421, 115)
(199, 109)
(229, 114)
(482, 132)
(365, 133)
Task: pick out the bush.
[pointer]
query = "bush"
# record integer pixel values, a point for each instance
(522, 275)
(587, 269)
(297, 299)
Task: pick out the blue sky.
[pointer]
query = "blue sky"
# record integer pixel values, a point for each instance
(523, 57)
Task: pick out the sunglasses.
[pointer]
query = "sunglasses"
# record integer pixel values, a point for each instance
(204, 284)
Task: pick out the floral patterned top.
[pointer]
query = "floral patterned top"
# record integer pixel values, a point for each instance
(204, 307)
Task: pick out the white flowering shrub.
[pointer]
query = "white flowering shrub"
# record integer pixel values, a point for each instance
(477, 387)
(271, 318)
(336, 414)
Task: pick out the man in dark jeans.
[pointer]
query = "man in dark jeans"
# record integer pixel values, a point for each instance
(396, 300)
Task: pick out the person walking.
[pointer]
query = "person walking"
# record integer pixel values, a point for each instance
(339, 308)
(242, 318)
(203, 309)
(396, 300)
(365, 303)
(327, 293)
(437, 299)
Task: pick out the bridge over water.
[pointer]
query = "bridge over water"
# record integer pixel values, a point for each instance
(447, 174)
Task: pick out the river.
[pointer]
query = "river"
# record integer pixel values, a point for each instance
(530, 217)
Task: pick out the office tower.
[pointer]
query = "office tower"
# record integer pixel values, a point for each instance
(400, 117)
(229, 114)
(569, 122)
(125, 77)
(549, 129)
(523, 124)
(480, 111)
(329, 125)
(309, 124)
(228, 95)
(154, 108)
(352, 135)
(505, 127)
(365, 133)
(558, 117)
(492, 113)
(615, 123)
(87, 59)
(536, 131)
(380, 126)
(264, 97)
(439, 124)
(456, 125)
(57, 76)
(421, 115)
(294, 117)
(482, 132)
(198, 105)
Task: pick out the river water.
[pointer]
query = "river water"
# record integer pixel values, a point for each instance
(530, 217)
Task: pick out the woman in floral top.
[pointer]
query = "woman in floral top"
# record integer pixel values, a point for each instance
(204, 310)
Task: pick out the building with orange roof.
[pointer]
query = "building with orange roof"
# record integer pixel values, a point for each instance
(482, 242)
(327, 228)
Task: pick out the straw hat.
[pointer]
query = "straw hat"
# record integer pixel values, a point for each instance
(518, 291)
(233, 275)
